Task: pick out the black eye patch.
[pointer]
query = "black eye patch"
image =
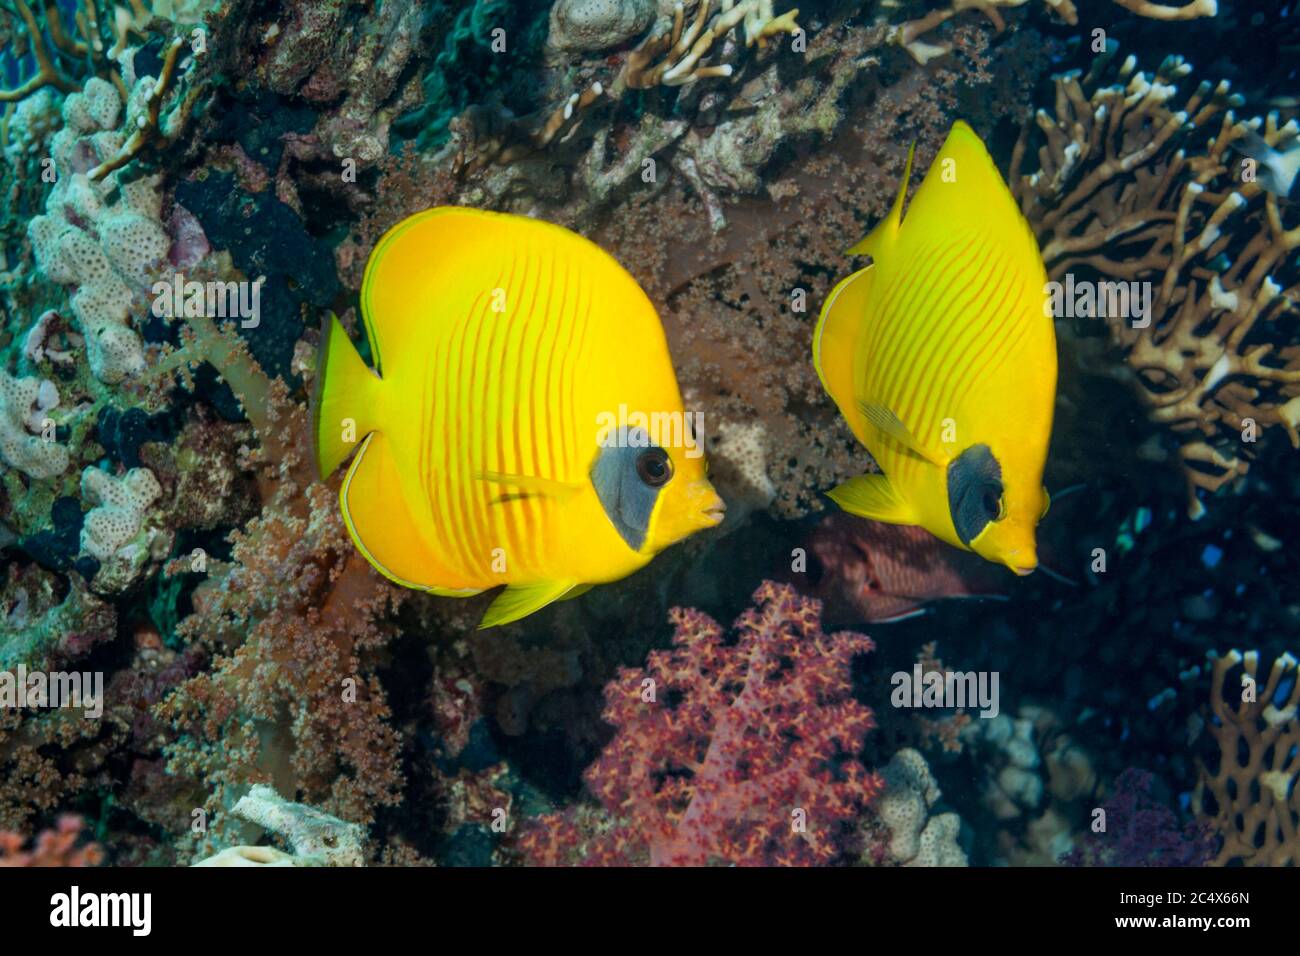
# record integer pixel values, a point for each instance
(627, 475)
(974, 489)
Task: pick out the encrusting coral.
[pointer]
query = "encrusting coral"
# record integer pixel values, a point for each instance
(1136, 187)
(315, 838)
(24, 440)
(1252, 797)
(116, 531)
(101, 233)
(580, 26)
(915, 837)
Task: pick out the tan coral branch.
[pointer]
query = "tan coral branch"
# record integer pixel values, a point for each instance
(147, 123)
(47, 74)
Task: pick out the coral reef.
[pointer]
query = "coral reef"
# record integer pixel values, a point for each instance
(315, 838)
(116, 530)
(908, 34)
(1136, 184)
(161, 523)
(1033, 771)
(582, 26)
(25, 440)
(913, 836)
(1250, 798)
(1137, 830)
(56, 847)
(740, 753)
(108, 248)
(672, 58)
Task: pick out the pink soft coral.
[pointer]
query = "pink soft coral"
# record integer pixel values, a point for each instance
(739, 752)
(56, 847)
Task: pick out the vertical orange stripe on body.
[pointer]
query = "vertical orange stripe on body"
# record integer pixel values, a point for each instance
(886, 317)
(451, 447)
(882, 303)
(561, 428)
(576, 361)
(517, 513)
(474, 413)
(544, 425)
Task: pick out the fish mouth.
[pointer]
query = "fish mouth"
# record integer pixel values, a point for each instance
(714, 514)
(1023, 570)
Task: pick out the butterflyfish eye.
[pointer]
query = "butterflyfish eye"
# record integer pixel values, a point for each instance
(654, 467)
(992, 502)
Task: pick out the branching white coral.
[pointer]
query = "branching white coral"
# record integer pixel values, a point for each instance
(674, 58)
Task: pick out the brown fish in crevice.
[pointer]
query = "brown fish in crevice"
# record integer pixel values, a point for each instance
(887, 572)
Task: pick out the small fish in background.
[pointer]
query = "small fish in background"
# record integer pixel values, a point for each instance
(884, 573)
(1277, 170)
(500, 438)
(941, 356)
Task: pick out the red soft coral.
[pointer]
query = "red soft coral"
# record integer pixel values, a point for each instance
(741, 752)
(56, 847)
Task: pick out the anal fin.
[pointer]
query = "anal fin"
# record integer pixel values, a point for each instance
(520, 600)
(872, 496)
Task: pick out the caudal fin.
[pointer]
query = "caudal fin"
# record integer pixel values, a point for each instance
(344, 407)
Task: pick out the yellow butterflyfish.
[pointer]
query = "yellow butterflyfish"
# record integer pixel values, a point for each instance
(522, 425)
(941, 355)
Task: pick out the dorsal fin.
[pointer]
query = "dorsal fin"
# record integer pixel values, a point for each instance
(886, 232)
(835, 340)
(963, 191)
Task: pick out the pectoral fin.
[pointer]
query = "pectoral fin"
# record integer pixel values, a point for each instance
(872, 496)
(520, 600)
(884, 420)
(532, 485)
